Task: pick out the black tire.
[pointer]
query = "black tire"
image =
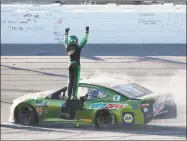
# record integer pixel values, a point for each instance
(25, 114)
(171, 114)
(105, 120)
(172, 111)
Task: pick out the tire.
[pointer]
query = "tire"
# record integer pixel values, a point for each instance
(105, 120)
(172, 112)
(26, 115)
(172, 109)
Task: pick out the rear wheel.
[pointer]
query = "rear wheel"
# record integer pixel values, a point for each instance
(172, 109)
(172, 112)
(105, 120)
(26, 114)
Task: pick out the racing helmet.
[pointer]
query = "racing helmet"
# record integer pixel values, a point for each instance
(73, 40)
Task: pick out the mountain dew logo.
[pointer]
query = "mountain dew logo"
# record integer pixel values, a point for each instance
(102, 105)
(158, 105)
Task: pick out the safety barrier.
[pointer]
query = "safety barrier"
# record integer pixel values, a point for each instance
(29, 24)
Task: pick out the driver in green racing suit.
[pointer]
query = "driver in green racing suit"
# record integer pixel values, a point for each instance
(73, 48)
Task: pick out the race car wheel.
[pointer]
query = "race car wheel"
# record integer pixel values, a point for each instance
(172, 112)
(26, 115)
(105, 120)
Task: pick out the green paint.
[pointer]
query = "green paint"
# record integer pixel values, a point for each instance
(83, 43)
(52, 111)
(66, 40)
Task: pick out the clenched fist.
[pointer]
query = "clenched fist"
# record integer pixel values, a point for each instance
(87, 29)
(67, 30)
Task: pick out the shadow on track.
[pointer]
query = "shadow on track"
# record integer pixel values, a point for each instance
(29, 128)
(44, 73)
(138, 130)
(162, 60)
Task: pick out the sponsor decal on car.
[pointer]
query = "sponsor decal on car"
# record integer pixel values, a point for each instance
(86, 120)
(135, 106)
(128, 117)
(42, 104)
(116, 98)
(39, 110)
(102, 105)
(158, 105)
(145, 110)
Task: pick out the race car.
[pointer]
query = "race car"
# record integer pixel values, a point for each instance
(103, 104)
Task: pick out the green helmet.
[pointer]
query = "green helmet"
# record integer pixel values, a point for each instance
(73, 40)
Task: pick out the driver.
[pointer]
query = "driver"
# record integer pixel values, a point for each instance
(73, 48)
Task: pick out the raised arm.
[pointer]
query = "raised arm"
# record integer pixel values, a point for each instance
(66, 37)
(84, 41)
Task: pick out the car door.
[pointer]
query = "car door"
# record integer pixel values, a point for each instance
(54, 103)
(93, 95)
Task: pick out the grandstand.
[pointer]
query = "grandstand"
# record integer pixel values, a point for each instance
(93, 2)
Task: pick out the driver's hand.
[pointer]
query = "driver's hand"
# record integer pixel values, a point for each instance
(67, 30)
(87, 29)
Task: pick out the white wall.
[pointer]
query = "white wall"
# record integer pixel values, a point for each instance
(108, 24)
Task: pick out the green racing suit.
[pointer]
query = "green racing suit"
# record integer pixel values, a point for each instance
(74, 52)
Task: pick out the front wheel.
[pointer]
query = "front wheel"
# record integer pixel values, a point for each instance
(26, 115)
(105, 120)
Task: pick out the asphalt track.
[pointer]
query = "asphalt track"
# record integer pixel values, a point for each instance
(161, 70)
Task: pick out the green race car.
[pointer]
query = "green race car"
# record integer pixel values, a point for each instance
(103, 104)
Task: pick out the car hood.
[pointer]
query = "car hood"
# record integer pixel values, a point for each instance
(36, 95)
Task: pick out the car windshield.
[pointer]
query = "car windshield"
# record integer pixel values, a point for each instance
(131, 90)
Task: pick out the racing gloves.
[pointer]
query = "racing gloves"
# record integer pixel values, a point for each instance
(66, 31)
(87, 29)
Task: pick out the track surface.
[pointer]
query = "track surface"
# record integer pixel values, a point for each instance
(25, 74)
